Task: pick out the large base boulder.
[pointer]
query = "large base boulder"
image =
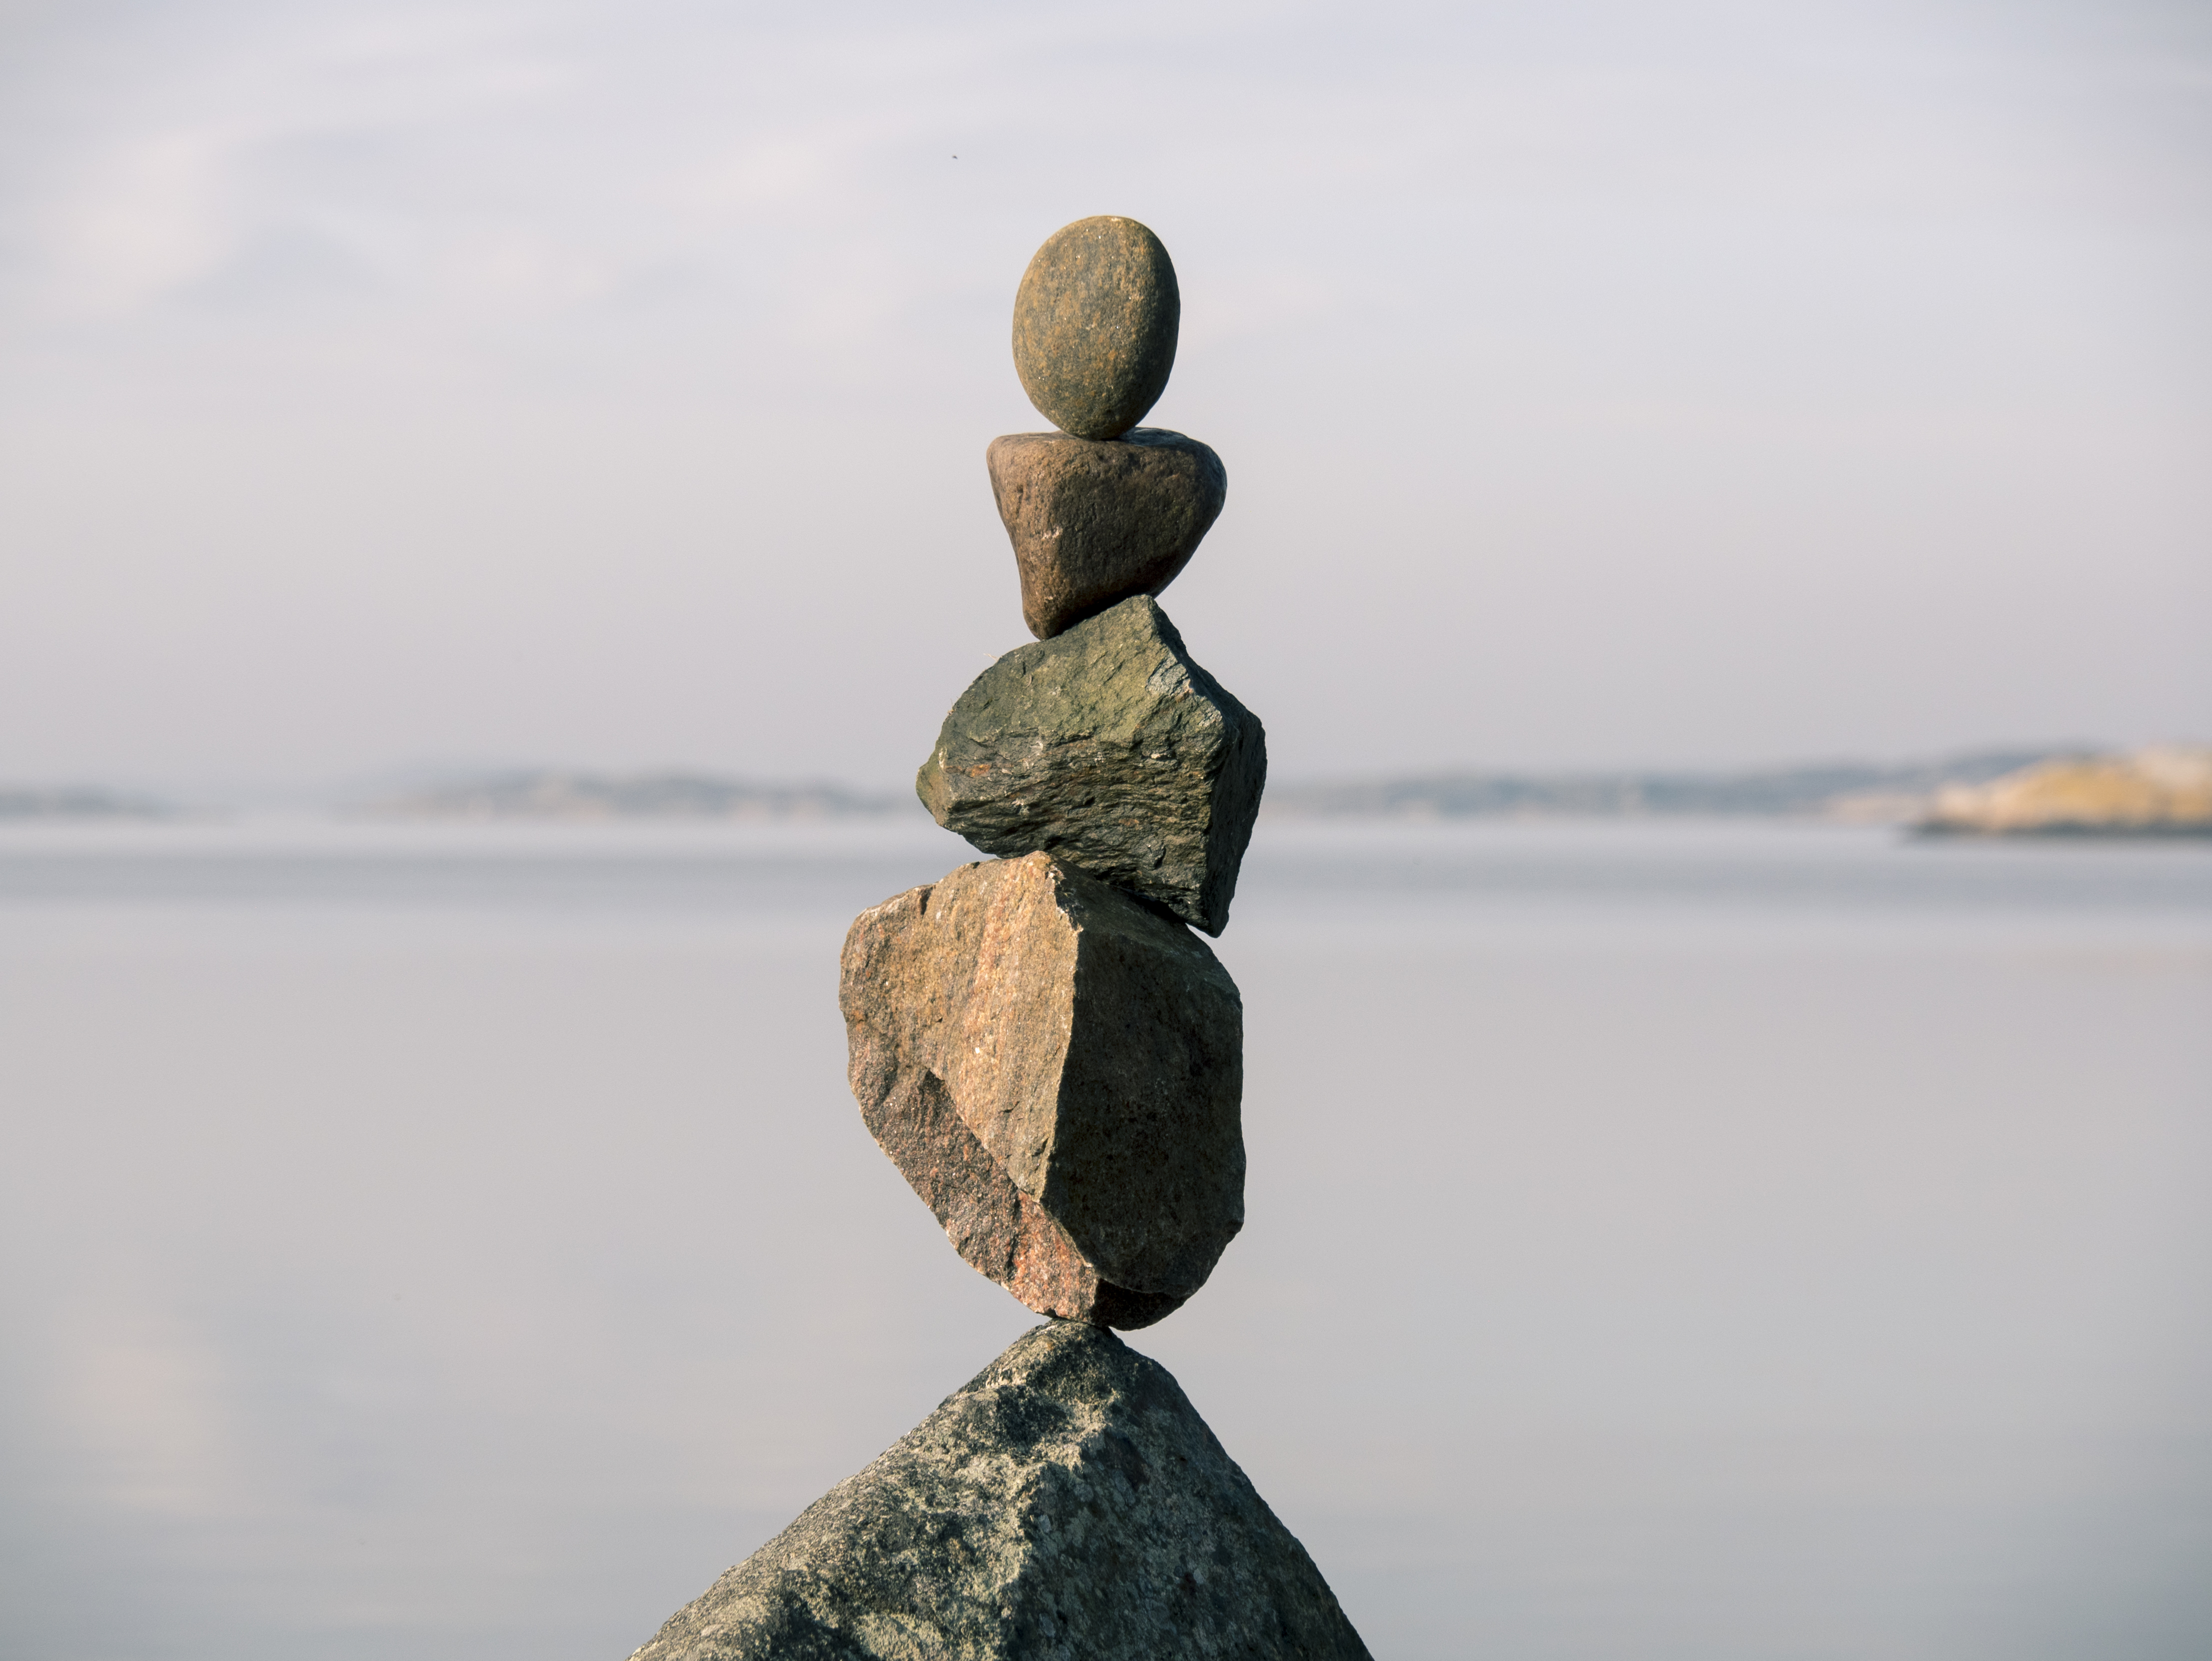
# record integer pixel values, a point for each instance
(1069, 1502)
(1057, 1071)
(1106, 745)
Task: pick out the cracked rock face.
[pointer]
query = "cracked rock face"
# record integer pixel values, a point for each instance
(1096, 522)
(1108, 746)
(1057, 1071)
(1068, 1502)
(1094, 326)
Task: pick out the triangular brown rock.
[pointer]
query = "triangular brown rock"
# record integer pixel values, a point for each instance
(1093, 522)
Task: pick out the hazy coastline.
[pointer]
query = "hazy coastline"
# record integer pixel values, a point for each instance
(1893, 792)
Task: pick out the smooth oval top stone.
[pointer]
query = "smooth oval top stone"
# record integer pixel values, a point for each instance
(1094, 326)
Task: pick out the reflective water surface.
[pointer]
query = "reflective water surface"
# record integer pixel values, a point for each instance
(1690, 1241)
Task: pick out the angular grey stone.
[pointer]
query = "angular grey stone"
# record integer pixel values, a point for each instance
(1094, 326)
(1056, 1070)
(1106, 746)
(1094, 522)
(1068, 1502)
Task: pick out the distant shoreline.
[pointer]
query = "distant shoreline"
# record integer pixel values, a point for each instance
(2064, 833)
(1928, 797)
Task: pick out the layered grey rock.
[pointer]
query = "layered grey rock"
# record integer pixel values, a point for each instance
(1094, 522)
(1069, 1502)
(1108, 746)
(1094, 326)
(1057, 1071)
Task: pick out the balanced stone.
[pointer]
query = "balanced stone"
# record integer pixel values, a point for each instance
(1106, 745)
(1068, 1501)
(1095, 323)
(1056, 1070)
(1094, 521)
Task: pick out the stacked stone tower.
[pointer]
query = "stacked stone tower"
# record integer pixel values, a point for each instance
(1055, 1061)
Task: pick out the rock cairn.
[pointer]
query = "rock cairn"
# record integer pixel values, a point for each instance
(1055, 1061)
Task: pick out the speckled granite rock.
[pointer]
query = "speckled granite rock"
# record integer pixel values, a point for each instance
(1094, 522)
(1095, 323)
(1068, 1503)
(1056, 1069)
(1108, 746)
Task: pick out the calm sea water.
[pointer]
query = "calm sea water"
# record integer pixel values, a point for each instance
(1700, 1242)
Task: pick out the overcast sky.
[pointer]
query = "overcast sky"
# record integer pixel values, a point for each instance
(1649, 383)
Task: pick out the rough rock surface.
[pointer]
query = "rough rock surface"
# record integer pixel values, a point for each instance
(1096, 521)
(1068, 1502)
(1057, 1070)
(1095, 323)
(1109, 747)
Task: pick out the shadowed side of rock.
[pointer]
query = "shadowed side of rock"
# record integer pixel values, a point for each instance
(1069, 1502)
(1001, 1231)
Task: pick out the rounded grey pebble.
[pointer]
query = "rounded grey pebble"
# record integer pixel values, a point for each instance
(1095, 324)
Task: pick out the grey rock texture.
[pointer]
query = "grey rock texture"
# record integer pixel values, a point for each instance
(1068, 1503)
(1095, 323)
(1057, 1071)
(1095, 521)
(1108, 746)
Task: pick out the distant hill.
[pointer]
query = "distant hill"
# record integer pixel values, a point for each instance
(1944, 794)
(1861, 792)
(2165, 792)
(20, 802)
(1869, 793)
(554, 794)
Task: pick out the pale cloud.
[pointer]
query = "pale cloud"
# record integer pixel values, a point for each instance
(150, 217)
(517, 270)
(142, 207)
(772, 170)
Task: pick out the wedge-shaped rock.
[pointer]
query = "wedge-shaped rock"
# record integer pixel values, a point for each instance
(1056, 1069)
(1108, 746)
(1094, 522)
(1068, 1502)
